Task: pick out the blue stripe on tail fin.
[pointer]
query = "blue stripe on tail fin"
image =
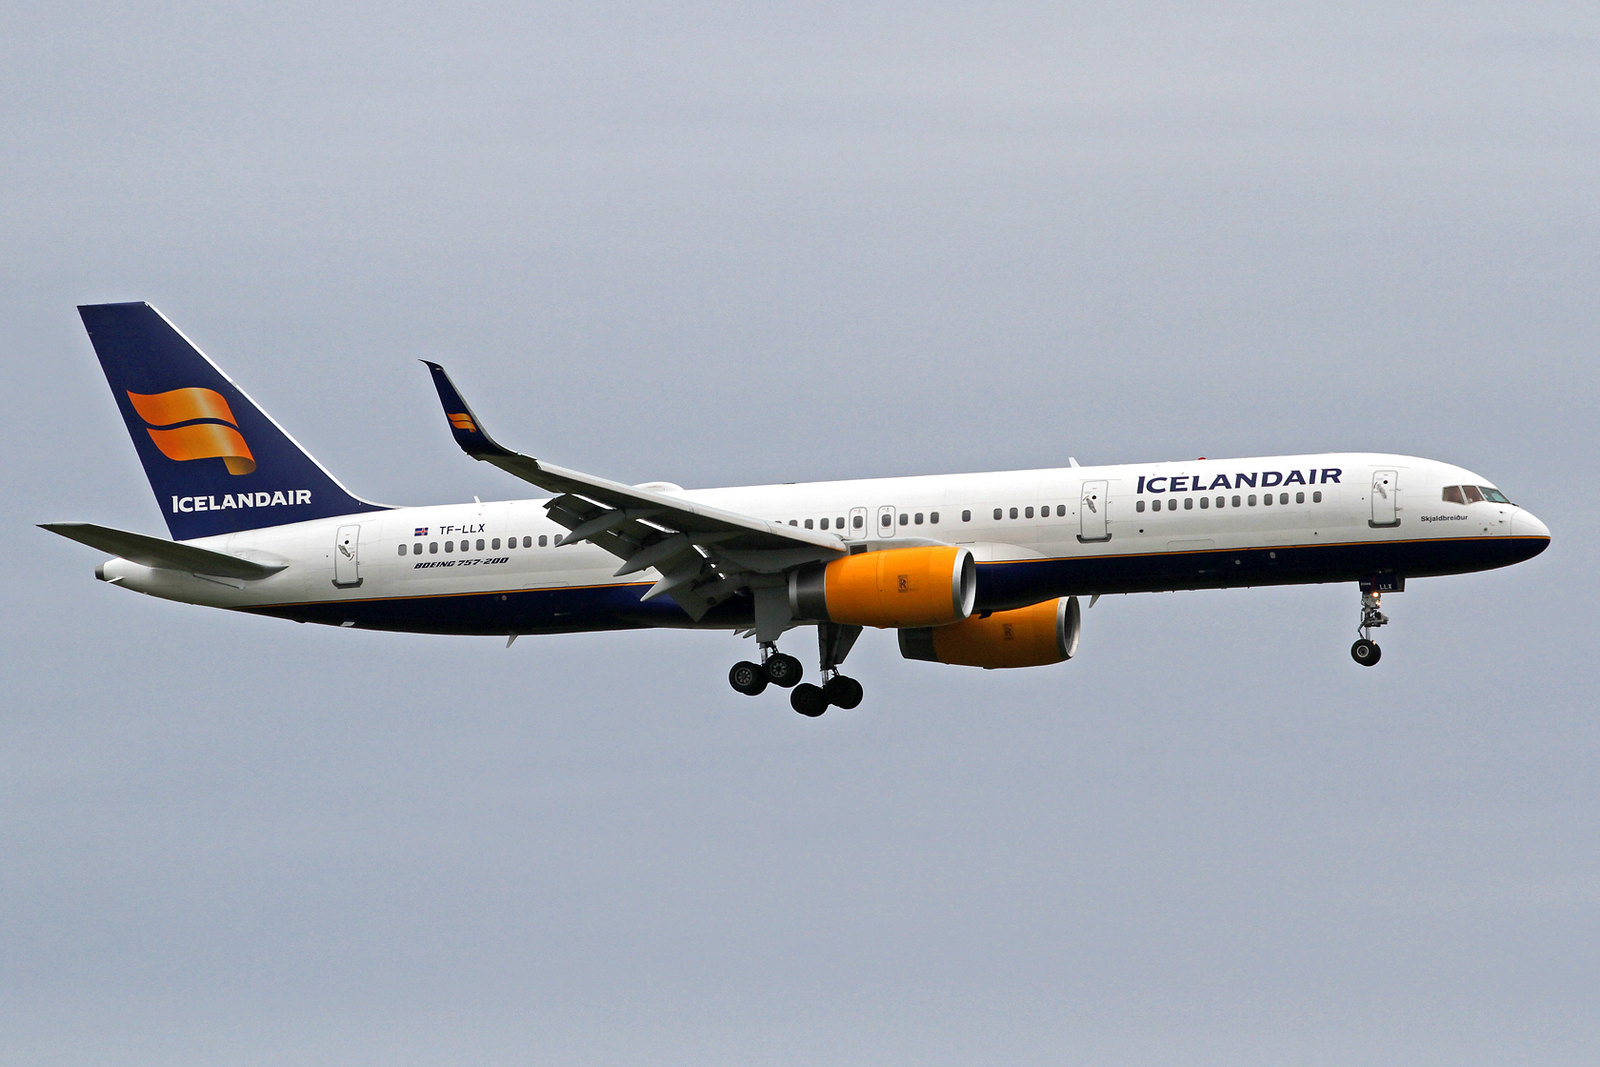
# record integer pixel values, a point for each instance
(217, 462)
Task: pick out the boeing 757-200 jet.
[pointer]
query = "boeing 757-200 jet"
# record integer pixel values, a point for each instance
(978, 569)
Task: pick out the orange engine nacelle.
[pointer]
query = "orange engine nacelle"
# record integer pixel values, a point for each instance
(1026, 637)
(892, 588)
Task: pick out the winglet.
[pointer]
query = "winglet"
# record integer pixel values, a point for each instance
(464, 425)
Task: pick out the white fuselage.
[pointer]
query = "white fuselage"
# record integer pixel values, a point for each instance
(494, 567)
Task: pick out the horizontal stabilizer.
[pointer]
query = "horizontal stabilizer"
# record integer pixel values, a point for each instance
(159, 552)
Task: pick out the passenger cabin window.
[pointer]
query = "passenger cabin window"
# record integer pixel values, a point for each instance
(1028, 513)
(1013, 513)
(933, 518)
(860, 521)
(1205, 502)
(824, 523)
(808, 524)
(966, 515)
(1138, 505)
(544, 539)
(997, 513)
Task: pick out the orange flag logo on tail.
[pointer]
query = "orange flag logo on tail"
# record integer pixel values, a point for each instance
(212, 431)
(462, 421)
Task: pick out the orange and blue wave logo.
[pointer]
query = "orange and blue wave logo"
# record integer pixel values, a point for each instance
(188, 424)
(462, 421)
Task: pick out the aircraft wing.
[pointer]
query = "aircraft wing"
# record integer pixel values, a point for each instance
(705, 554)
(159, 552)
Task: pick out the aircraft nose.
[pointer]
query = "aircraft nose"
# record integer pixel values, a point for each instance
(1525, 524)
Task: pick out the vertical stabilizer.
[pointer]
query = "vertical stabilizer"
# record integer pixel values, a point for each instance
(216, 461)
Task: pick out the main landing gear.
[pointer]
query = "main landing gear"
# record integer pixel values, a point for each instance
(780, 669)
(1366, 650)
(775, 668)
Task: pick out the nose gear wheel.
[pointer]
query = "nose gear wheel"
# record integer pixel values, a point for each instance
(1366, 651)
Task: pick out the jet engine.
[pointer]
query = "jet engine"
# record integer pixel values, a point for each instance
(1024, 637)
(895, 587)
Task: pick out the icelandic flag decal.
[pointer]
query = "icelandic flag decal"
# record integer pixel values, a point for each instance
(421, 531)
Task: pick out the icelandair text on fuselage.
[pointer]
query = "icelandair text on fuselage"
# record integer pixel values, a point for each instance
(1200, 483)
(281, 499)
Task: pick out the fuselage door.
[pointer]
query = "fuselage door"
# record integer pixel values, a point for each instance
(347, 557)
(886, 521)
(1092, 513)
(1385, 499)
(858, 525)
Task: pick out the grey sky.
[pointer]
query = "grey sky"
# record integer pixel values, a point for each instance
(721, 245)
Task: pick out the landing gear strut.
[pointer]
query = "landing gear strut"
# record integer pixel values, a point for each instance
(1366, 651)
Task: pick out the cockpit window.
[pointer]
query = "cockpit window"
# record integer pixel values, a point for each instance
(1474, 494)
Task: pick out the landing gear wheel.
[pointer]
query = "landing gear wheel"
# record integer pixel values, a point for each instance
(784, 670)
(842, 692)
(748, 678)
(808, 700)
(1365, 652)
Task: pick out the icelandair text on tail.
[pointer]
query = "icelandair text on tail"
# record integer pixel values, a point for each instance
(280, 499)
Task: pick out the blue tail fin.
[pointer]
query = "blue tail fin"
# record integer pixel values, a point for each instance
(217, 462)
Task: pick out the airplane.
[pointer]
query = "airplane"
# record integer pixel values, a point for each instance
(983, 570)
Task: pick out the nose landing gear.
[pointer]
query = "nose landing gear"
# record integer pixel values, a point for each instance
(1366, 651)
